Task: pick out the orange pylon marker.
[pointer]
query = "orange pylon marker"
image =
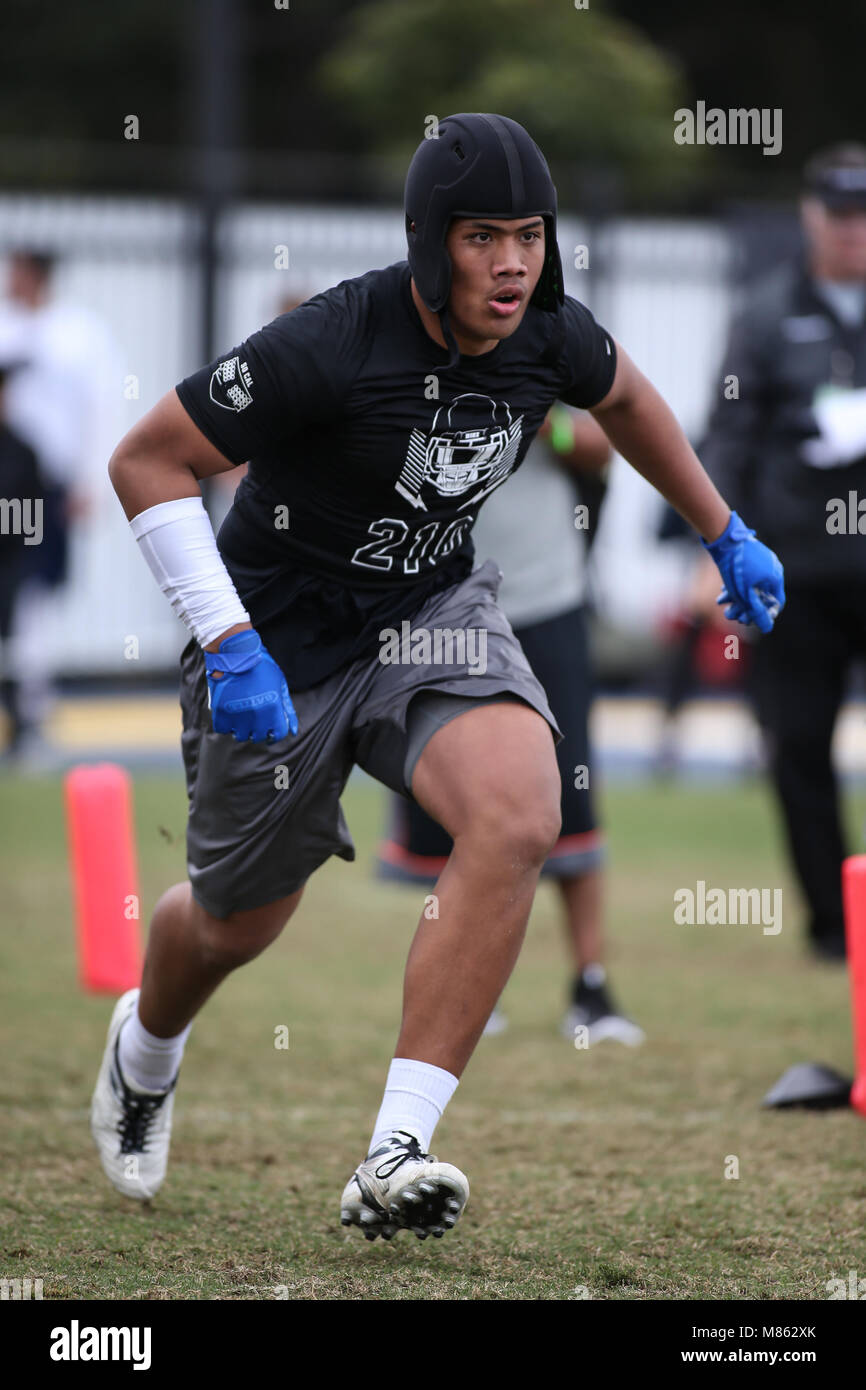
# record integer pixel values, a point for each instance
(104, 876)
(854, 899)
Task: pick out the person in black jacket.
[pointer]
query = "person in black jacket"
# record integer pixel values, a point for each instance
(20, 527)
(787, 445)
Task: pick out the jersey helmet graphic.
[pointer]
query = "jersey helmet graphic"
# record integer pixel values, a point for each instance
(472, 443)
(459, 458)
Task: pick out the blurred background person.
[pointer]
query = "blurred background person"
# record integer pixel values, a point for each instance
(53, 403)
(698, 658)
(20, 484)
(787, 451)
(536, 531)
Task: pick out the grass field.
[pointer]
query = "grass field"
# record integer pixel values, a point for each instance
(599, 1171)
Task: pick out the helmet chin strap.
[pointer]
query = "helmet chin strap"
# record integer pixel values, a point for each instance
(450, 340)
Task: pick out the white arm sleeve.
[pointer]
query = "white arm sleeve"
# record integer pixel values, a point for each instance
(178, 543)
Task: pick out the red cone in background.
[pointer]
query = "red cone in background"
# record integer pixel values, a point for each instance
(854, 898)
(104, 876)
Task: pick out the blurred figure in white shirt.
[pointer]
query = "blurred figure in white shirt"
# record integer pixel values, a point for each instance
(63, 401)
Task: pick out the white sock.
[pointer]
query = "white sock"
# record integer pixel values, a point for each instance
(147, 1062)
(416, 1094)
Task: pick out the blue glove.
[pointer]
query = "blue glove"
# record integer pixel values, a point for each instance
(753, 575)
(250, 699)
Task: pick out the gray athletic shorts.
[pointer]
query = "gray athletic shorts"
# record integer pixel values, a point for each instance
(264, 816)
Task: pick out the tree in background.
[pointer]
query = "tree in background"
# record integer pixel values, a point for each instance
(324, 87)
(594, 92)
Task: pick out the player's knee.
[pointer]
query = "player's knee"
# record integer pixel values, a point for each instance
(222, 948)
(518, 834)
(232, 941)
(539, 828)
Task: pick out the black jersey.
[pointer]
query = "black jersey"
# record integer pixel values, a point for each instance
(368, 460)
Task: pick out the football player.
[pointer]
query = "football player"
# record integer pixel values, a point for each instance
(376, 418)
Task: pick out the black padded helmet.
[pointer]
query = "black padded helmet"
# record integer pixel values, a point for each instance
(481, 165)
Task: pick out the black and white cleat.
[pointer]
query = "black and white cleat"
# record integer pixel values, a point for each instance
(399, 1187)
(131, 1127)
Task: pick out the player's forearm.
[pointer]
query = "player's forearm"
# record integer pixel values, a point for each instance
(180, 548)
(646, 432)
(139, 489)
